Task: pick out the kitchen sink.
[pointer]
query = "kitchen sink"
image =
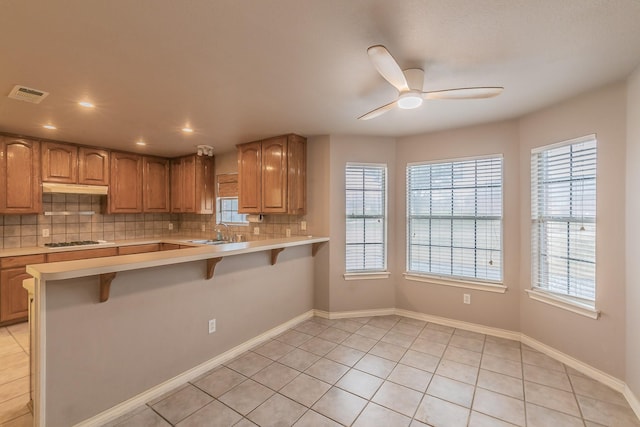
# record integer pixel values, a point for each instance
(208, 242)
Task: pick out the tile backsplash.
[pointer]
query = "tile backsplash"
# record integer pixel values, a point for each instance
(26, 230)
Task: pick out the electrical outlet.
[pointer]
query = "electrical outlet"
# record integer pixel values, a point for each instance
(45, 232)
(203, 227)
(287, 232)
(256, 231)
(212, 326)
(303, 225)
(466, 298)
(170, 226)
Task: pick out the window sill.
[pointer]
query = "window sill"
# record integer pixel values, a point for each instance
(565, 303)
(457, 283)
(367, 276)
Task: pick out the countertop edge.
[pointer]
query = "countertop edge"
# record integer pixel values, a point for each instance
(95, 266)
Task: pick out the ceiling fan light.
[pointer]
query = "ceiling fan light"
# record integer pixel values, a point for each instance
(408, 101)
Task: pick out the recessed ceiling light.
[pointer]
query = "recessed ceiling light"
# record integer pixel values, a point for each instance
(187, 130)
(86, 104)
(50, 127)
(141, 143)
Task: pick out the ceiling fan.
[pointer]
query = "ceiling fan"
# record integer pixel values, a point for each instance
(409, 84)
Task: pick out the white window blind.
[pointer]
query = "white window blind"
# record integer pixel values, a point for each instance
(563, 210)
(454, 225)
(366, 210)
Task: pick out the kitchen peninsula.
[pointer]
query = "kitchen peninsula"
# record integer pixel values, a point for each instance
(98, 345)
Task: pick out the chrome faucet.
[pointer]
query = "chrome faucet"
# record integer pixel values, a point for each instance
(222, 235)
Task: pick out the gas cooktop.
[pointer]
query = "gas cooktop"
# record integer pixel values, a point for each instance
(78, 243)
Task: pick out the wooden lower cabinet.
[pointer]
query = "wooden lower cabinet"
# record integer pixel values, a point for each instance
(139, 249)
(14, 300)
(84, 254)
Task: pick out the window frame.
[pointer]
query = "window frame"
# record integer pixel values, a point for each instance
(456, 280)
(219, 211)
(567, 301)
(383, 272)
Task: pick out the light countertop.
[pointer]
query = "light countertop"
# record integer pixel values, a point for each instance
(95, 266)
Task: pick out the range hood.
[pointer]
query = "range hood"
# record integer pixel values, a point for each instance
(52, 187)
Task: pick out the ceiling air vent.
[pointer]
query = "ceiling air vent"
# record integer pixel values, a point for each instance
(28, 94)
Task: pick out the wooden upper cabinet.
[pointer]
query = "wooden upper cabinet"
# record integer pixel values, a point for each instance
(20, 189)
(93, 166)
(249, 177)
(156, 184)
(205, 185)
(70, 164)
(125, 189)
(272, 176)
(297, 175)
(192, 185)
(59, 163)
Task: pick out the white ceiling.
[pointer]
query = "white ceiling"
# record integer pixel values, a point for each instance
(240, 70)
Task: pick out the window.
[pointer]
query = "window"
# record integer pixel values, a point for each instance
(454, 224)
(563, 211)
(366, 222)
(227, 211)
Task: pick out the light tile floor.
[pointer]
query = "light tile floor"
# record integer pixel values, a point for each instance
(388, 371)
(14, 376)
(368, 372)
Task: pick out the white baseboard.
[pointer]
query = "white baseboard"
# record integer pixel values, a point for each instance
(165, 387)
(355, 313)
(576, 364)
(474, 327)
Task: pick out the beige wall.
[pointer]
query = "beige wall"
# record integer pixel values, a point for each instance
(358, 294)
(633, 232)
(318, 208)
(600, 343)
(491, 309)
(154, 325)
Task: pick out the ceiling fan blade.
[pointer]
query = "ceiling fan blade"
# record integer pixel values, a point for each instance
(388, 67)
(464, 93)
(378, 111)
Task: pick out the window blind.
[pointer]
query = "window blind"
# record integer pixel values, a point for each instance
(366, 206)
(454, 225)
(563, 209)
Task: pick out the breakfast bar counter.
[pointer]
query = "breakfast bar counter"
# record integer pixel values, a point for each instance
(112, 333)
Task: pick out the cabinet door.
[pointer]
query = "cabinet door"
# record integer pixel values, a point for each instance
(93, 166)
(205, 184)
(297, 175)
(177, 204)
(125, 189)
(156, 185)
(20, 189)
(188, 187)
(249, 177)
(14, 299)
(59, 163)
(139, 249)
(274, 175)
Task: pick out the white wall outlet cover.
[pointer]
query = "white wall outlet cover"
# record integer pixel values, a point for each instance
(203, 227)
(466, 298)
(303, 225)
(256, 231)
(170, 226)
(287, 232)
(212, 326)
(45, 232)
